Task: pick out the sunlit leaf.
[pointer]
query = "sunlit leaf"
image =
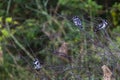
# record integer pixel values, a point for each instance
(8, 19)
(5, 32)
(0, 19)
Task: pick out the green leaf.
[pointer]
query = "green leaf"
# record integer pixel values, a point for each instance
(5, 32)
(9, 19)
(0, 18)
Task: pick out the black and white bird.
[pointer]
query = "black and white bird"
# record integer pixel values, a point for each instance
(76, 20)
(36, 64)
(102, 25)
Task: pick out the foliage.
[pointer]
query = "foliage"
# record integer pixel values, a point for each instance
(87, 5)
(32, 29)
(115, 14)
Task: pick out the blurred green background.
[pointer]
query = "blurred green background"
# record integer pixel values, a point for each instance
(39, 28)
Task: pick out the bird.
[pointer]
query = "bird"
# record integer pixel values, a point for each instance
(102, 25)
(37, 65)
(62, 52)
(76, 20)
